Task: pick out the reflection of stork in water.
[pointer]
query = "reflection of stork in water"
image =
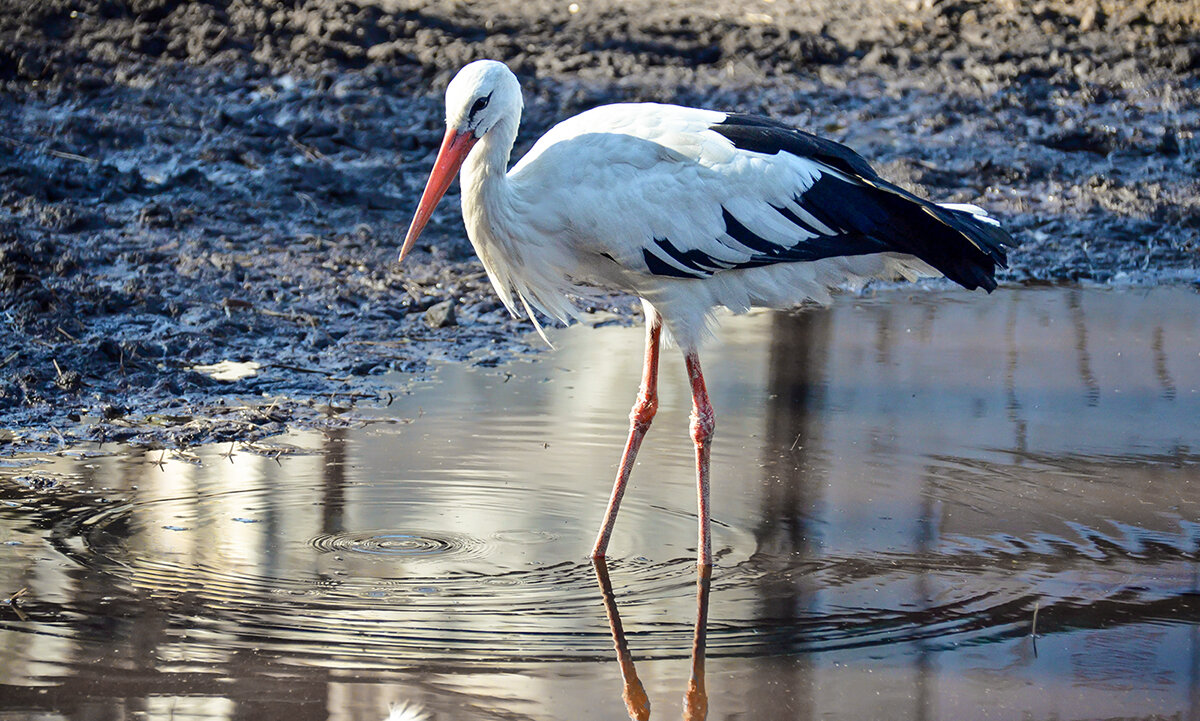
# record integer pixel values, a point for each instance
(695, 700)
(689, 210)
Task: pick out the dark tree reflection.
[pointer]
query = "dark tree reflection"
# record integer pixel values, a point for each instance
(799, 349)
(798, 358)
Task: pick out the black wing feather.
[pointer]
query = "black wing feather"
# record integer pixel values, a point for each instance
(871, 214)
(765, 135)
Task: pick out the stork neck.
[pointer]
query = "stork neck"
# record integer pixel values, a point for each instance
(484, 174)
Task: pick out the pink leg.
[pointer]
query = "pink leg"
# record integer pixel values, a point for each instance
(695, 701)
(639, 422)
(703, 424)
(634, 693)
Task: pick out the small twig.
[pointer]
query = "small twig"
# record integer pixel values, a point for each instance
(161, 462)
(72, 156)
(265, 413)
(297, 369)
(304, 318)
(1033, 629)
(230, 454)
(10, 358)
(12, 603)
(48, 151)
(796, 442)
(68, 335)
(385, 343)
(352, 395)
(306, 198)
(309, 152)
(57, 368)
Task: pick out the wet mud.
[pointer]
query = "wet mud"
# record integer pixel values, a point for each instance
(184, 184)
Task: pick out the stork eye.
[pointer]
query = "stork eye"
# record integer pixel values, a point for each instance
(480, 104)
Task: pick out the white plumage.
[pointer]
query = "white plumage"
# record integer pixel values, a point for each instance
(689, 210)
(661, 173)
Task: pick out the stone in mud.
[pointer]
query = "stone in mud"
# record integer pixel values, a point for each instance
(156, 215)
(441, 315)
(111, 412)
(69, 380)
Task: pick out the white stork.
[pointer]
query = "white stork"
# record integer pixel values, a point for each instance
(689, 210)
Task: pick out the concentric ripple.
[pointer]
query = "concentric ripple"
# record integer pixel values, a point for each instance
(390, 544)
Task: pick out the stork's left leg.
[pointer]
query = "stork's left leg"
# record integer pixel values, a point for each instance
(703, 424)
(639, 422)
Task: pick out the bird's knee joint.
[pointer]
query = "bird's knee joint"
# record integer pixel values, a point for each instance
(643, 412)
(703, 426)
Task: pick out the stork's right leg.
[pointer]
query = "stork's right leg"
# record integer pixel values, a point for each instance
(639, 422)
(703, 424)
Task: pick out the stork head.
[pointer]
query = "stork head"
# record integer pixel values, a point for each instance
(481, 96)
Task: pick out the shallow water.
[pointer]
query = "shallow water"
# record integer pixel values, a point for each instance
(901, 485)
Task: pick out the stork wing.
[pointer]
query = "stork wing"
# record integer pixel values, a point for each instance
(689, 194)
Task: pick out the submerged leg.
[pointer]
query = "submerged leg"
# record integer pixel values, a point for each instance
(703, 424)
(695, 701)
(633, 692)
(639, 422)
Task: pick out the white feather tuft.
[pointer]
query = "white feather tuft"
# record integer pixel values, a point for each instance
(533, 317)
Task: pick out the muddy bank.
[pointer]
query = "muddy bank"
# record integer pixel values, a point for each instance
(183, 184)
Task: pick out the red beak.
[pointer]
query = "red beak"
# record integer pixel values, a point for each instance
(450, 157)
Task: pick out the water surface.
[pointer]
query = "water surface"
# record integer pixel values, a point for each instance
(901, 484)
